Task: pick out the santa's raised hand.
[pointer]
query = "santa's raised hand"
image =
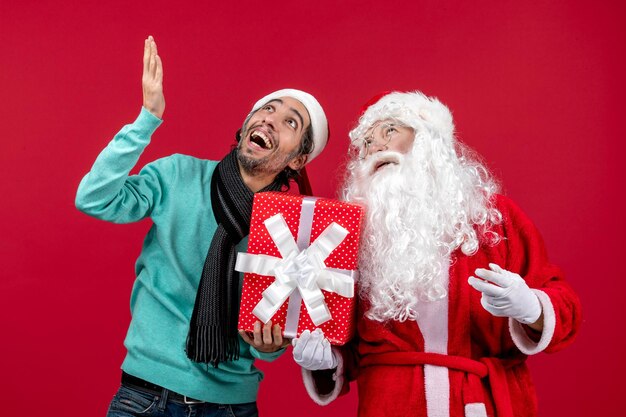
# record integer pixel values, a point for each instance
(505, 294)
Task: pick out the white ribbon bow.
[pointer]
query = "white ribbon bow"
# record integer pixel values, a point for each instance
(302, 270)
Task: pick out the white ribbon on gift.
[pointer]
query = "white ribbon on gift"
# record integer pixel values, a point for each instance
(303, 270)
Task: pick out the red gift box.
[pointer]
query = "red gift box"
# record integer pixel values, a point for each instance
(301, 264)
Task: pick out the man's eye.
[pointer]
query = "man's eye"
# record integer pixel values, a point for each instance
(292, 123)
(268, 108)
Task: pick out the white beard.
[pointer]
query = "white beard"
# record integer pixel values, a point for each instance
(418, 212)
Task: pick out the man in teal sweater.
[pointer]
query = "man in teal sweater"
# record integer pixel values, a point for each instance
(183, 350)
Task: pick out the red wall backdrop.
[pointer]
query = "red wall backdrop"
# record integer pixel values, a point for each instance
(538, 89)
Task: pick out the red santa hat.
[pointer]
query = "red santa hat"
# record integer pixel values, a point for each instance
(319, 124)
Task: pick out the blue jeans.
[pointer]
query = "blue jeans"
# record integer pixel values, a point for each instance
(129, 402)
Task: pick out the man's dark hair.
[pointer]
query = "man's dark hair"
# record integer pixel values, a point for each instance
(306, 147)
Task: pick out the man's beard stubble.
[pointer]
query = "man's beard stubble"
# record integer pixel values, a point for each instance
(267, 164)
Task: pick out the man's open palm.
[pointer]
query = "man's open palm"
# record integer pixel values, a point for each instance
(152, 79)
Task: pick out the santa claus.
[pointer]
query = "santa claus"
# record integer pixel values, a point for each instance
(455, 290)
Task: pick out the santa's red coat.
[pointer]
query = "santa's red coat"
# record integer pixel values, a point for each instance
(461, 361)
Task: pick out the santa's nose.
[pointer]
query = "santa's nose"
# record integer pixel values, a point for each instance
(377, 146)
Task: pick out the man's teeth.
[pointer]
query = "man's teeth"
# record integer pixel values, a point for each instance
(260, 139)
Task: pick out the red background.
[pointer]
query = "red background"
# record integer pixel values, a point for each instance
(535, 88)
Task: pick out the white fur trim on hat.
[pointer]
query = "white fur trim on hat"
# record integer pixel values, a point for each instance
(319, 124)
(413, 109)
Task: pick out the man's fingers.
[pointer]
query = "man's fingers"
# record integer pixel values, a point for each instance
(155, 59)
(265, 338)
(159, 69)
(267, 333)
(245, 337)
(152, 64)
(277, 335)
(258, 340)
(146, 56)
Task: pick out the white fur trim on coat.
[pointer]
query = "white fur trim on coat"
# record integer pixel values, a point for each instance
(524, 343)
(475, 410)
(311, 389)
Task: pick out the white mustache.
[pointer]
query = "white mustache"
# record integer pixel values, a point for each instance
(370, 165)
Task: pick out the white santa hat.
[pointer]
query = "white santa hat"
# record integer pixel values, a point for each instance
(319, 124)
(413, 109)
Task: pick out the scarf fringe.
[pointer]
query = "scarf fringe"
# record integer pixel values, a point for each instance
(210, 346)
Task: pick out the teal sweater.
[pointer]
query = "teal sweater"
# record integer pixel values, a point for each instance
(175, 193)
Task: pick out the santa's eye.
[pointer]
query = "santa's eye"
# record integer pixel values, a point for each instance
(292, 123)
(390, 129)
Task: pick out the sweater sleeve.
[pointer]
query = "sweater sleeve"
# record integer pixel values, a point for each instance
(265, 356)
(527, 256)
(107, 191)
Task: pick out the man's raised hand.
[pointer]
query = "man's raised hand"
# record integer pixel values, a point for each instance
(152, 79)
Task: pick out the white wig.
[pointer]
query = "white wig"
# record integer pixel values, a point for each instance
(436, 199)
(413, 109)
